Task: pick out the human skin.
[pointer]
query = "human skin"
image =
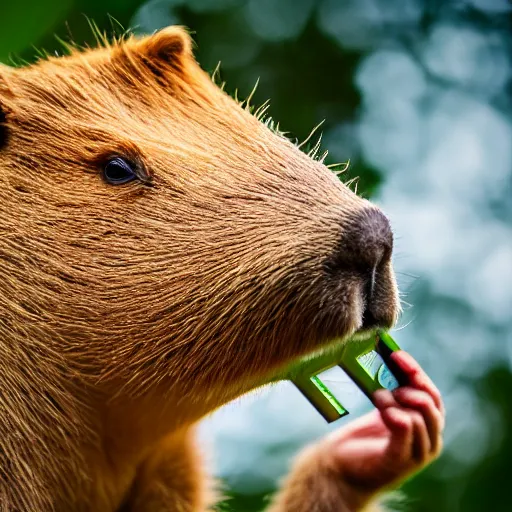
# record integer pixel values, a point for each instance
(350, 468)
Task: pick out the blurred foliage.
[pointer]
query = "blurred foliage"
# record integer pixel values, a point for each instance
(418, 95)
(29, 25)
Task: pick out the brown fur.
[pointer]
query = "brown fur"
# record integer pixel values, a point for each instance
(128, 313)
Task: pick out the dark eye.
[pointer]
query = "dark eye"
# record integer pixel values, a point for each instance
(118, 171)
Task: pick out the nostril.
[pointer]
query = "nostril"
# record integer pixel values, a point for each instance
(367, 240)
(365, 244)
(375, 235)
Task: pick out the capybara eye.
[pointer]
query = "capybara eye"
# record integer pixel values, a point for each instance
(118, 171)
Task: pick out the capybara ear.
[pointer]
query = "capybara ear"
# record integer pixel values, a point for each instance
(168, 44)
(6, 97)
(166, 49)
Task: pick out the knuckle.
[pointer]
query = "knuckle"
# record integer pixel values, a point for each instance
(439, 419)
(416, 417)
(415, 372)
(436, 395)
(424, 402)
(405, 423)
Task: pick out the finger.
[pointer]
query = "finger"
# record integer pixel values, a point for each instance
(400, 426)
(383, 398)
(370, 425)
(410, 439)
(421, 445)
(417, 377)
(437, 446)
(424, 404)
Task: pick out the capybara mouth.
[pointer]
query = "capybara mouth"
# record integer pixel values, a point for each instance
(359, 292)
(353, 312)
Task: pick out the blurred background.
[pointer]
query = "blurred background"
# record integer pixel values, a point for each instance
(418, 96)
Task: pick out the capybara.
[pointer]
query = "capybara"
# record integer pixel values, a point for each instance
(163, 251)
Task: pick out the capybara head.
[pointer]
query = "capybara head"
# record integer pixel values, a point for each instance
(153, 231)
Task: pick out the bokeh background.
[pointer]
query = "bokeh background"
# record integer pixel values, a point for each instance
(418, 96)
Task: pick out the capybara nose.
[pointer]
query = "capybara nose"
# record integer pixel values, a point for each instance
(365, 244)
(370, 238)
